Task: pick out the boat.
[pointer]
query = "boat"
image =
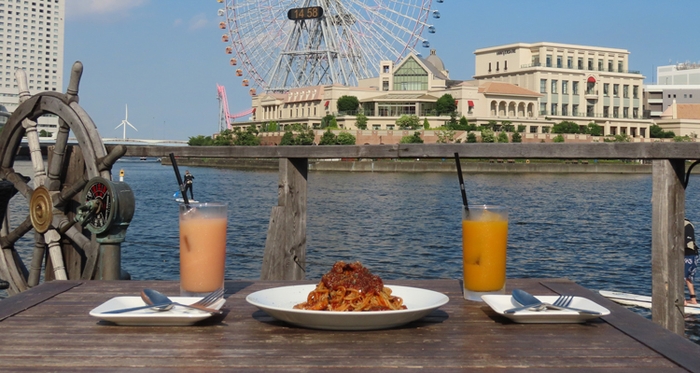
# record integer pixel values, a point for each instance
(642, 301)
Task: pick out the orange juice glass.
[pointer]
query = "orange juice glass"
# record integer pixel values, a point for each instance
(202, 248)
(484, 241)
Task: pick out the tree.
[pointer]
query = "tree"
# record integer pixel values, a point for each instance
(521, 128)
(200, 141)
(517, 137)
(565, 127)
(487, 135)
(426, 124)
(346, 138)
(248, 138)
(507, 126)
(446, 136)
(328, 138)
(272, 127)
(656, 132)
(502, 137)
(445, 104)
(348, 104)
(224, 138)
(326, 121)
(594, 129)
(287, 138)
(413, 139)
(558, 138)
(361, 121)
(471, 137)
(44, 133)
(408, 122)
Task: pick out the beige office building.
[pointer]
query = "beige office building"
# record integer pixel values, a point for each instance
(578, 83)
(31, 38)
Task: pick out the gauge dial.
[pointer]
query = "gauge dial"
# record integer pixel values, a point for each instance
(100, 190)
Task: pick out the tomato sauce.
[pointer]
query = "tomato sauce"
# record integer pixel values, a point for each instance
(352, 276)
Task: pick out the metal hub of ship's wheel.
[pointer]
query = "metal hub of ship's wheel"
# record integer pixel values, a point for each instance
(66, 249)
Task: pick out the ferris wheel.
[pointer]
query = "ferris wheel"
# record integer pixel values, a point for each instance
(276, 45)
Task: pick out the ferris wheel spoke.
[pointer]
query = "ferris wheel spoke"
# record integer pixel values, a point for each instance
(343, 46)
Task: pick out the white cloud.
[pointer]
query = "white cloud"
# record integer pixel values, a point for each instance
(199, 21)
(91, 8)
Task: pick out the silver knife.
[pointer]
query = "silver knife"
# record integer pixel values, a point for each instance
(528, 301)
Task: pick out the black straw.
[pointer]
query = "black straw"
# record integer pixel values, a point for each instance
(180, 184)
(461, 182)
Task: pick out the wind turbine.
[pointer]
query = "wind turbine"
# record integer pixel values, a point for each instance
(125, 122)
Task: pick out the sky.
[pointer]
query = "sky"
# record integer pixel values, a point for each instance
(164, 58)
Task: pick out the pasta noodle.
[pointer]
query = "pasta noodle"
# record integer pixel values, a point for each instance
(351, 287)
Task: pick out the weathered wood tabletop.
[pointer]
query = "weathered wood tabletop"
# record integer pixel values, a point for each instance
(48, 328)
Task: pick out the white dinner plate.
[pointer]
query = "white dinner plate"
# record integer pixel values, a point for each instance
(279, 302)
(177, 316)
(500, 303)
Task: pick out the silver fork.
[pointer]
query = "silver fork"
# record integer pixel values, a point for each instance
(204, 303)
(564, 301)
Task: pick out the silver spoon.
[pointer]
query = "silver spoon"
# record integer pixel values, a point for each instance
(152, 296)
(156, 306)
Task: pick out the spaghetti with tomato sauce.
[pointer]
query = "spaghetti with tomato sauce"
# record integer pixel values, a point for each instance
(351, 287)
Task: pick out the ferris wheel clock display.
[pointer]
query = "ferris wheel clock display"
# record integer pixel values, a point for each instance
(277, 45)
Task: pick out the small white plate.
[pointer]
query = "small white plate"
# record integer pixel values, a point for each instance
(177, 316)
(279, 303)
(500, 303)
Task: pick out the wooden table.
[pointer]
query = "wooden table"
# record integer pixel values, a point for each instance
(48, 329)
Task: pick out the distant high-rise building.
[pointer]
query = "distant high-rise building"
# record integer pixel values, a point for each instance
(31, 38)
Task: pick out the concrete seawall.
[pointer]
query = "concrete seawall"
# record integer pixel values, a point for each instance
(421, 166)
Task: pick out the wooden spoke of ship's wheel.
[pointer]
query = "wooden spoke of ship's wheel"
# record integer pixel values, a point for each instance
(57, 185)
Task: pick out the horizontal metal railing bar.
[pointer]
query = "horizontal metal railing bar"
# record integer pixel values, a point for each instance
(637, 151)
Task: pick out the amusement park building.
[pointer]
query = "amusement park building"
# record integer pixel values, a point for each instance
(31, 38)
(574, 83)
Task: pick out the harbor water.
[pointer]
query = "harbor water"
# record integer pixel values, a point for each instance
(593, 229)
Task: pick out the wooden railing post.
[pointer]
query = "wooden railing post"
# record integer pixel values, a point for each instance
(285, 247)
(667, 241)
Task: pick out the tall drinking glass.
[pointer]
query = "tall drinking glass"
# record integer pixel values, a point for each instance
(484, 241)
(202, 248)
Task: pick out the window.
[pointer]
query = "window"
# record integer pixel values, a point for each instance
(497, 66)
(616, 112)
(385, 68)
(635, 92)
(610, 66)
(574, 110)
(580, 63)
(635, 113)
(489, 66)
(385, 85)
(565, 87)
(543, 108)
(619, 67)
(559, 62)
(554, 109)
(606, 89)
(554, 85)
(590, 64)
(616, 90)
(626, 112)
(606, 111)
(376, 127)
(570, 62)
(565, 109)
(574, 88)
(533, 129)
(549, 60)
(505, 65)
(410, 77)
(543, 85)
(600, 65)
(626, 91)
